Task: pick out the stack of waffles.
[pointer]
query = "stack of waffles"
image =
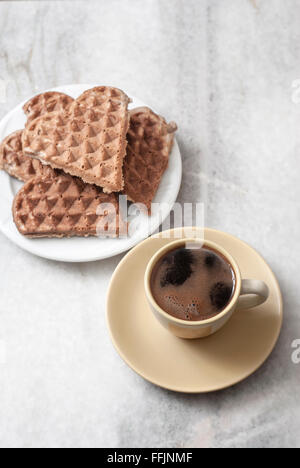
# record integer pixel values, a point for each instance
(77, 155)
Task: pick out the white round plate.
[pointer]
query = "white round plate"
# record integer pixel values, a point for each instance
(85, 249)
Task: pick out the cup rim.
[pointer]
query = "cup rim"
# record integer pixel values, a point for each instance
(192, 323)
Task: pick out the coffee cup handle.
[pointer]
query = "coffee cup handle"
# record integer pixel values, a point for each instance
(253, 293)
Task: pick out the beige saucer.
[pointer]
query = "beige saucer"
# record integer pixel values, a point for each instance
(192, 366)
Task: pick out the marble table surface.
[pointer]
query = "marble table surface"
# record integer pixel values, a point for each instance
(228, 73)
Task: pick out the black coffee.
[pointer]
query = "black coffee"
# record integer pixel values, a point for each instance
(193, 284)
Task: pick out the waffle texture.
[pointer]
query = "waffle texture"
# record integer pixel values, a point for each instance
(16, 163)
(87, 141)
(65, 206)
(150, 139)
(46, 102)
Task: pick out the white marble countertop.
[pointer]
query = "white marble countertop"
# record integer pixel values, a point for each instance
(224, 70)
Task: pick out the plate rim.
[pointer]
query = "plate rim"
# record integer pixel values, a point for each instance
(179, 389)
(19, 242)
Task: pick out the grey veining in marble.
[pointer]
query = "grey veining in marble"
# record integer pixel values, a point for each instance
(224, 70)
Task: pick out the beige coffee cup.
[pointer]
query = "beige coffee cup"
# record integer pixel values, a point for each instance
(248, 293)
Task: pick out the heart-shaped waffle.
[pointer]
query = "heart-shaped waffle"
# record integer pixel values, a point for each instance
(87, 141)
(46, 102)
(16, 163)
(150, 141)
(65, 206)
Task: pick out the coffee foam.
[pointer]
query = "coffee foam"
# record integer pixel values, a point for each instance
(192, 284)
